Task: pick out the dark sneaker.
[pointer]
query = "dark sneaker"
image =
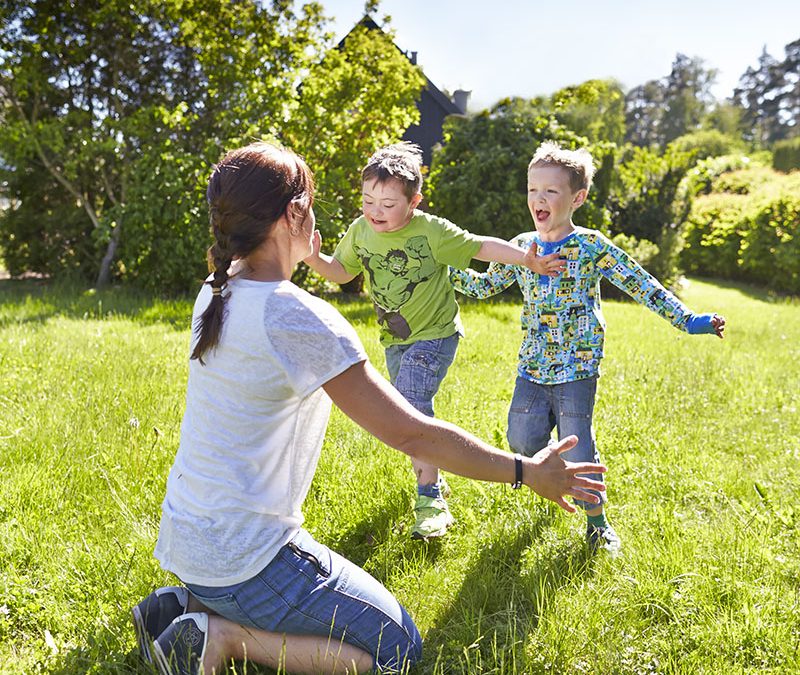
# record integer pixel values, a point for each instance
(603, 539)
(179, 650)
(153, 614)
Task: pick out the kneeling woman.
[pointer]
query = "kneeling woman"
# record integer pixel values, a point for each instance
(267, 359)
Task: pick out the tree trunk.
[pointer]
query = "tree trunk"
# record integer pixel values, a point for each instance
(104, 275)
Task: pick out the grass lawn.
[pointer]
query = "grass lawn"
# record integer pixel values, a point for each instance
(701, 436)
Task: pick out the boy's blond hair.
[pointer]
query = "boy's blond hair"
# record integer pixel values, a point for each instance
(577, 163)
(401, 161)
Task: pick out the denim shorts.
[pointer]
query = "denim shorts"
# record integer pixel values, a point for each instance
(307, 589)
(537, 408)
(417, 369)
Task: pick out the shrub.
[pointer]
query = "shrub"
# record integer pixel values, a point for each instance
(707, 143)
(770, 248)
(747, 234)
(786, 155)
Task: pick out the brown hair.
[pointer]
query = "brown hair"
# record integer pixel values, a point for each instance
(577, 163)
(249, 190)
(401, 161)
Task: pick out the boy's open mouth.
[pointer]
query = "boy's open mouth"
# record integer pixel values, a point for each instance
(541, 214)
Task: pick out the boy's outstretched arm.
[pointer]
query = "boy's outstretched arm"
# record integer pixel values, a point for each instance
(497, 250)
(629, 276)
(326, 265)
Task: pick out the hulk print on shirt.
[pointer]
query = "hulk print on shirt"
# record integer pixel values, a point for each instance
(393, 278)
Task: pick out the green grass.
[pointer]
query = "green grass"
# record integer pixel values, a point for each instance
(701, 436)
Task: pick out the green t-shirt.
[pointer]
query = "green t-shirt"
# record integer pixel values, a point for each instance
(407, 274)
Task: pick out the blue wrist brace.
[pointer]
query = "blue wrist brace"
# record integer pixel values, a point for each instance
(700, 323)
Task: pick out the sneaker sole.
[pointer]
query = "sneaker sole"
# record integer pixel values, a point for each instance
(160, 660)
(433, 535)
(141, 635)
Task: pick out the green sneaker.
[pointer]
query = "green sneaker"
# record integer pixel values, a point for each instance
(432, 518)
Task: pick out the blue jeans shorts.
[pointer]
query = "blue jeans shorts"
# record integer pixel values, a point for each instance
(307, 589)
(417, 369)
(537, 408)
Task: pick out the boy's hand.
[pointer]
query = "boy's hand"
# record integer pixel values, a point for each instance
(547, 265)
(316, 244)
(554, 478)
(705, 323)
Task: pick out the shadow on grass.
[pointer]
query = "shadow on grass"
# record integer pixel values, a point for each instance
(503, 596)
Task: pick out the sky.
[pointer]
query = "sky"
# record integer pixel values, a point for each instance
(529, 48)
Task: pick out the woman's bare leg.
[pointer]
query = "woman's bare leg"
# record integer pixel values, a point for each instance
(293, 653)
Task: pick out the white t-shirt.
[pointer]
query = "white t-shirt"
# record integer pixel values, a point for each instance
(252, 432)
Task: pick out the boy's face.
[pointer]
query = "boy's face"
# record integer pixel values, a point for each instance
(385, 205)
(551, 200)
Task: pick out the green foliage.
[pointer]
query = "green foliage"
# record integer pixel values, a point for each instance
(594, 109)
(747, 229)
(649, 200)
(703, 488)
(116, 114)
(786, 155)
(707, 143)
(479, 176)
(769, 97)
(701, 177)
(660, 111)
(355, 100)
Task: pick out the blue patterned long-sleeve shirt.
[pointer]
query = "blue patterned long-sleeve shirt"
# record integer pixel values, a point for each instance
(561, 316)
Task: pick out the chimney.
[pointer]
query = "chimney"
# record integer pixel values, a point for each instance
(461, 98)
(412, 56)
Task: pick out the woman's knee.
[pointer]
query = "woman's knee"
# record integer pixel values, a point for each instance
(402, 648)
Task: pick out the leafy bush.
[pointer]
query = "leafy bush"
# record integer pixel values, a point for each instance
(649, 200)
(478, 177)
(700, 178)
(707, 143)
(747, 234)
(786, 155)
(770, 248)
(712, 235)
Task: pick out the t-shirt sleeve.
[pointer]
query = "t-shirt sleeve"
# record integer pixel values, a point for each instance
(345, 251)
(313, 342)
(455, 246)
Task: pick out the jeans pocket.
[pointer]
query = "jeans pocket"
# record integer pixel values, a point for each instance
(310, 558)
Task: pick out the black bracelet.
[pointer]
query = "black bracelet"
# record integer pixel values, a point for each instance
(517, 484)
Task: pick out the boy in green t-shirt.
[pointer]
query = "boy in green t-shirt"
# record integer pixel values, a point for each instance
(405, 254)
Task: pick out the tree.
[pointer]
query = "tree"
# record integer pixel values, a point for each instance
(358, 98)
(661, 110)
(479, 175)
(769, 97)
(93, 92)
(116, 114)
(594, 109)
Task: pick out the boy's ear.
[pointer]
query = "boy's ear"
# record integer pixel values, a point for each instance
(579, 198)
(415, 200)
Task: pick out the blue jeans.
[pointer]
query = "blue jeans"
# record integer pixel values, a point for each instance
(417, 369)
(307, 589)
(537, 408)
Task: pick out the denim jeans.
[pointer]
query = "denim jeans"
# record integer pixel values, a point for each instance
(537, 408)
(307, 589)
(417, 369)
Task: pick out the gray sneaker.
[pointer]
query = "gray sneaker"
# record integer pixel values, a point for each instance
(153, 614)
(179, 650)
(603, 539)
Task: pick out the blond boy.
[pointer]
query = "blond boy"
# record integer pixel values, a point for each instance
(559, 360)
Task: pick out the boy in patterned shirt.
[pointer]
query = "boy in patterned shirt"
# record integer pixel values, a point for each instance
(405, 254)
(559, 360)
